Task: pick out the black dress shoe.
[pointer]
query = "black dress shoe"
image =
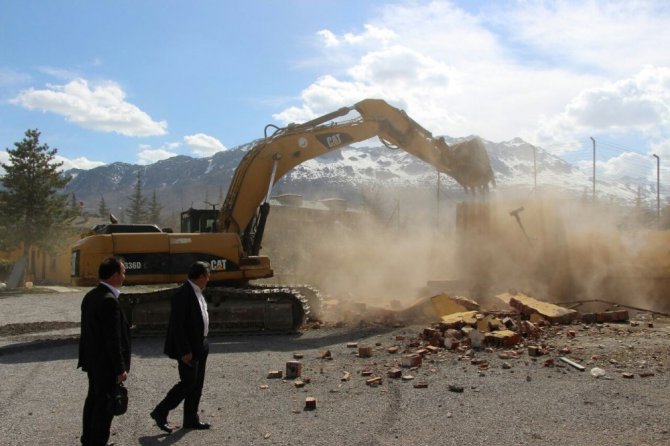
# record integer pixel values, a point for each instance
(198, 426)
(161, 421)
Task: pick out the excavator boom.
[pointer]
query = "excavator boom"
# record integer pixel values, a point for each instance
(272, 157)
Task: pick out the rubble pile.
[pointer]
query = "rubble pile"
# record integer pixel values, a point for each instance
(529, 333)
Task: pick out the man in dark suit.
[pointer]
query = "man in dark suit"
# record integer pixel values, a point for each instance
(104, 349)
(186, 341)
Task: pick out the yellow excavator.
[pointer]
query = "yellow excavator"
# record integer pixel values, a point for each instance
(153, 256)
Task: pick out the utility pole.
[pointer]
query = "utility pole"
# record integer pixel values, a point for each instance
(658, 190)
(437, 219)
(534, 170)
(594, 168)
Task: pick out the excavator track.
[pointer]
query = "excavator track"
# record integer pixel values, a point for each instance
(254, 309)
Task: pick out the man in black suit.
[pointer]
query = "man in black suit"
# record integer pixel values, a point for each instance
(186, 341)
(104, 349)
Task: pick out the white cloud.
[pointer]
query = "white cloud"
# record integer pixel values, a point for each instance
(372, 35)
(444, 68)
(203, 145)
(101, 108)
(329, 39)
(662, 149)
(640, 103)
(627, 164)
(614, 36)
(149, 155)
(549, 72)
(78, 163)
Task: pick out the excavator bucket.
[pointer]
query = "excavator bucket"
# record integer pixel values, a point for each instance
(469, 164)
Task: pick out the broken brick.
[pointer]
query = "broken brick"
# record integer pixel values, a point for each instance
(451, 344)
(411, 360)
(394, 373)
(374, 381)
(310, 403)
(364, 351)
(430, 333)
(293, 369)
(505, 338)
(422, 351)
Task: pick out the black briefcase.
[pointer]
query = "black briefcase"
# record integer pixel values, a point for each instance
(117, 400)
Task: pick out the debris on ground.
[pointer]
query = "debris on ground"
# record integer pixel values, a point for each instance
(529, 331)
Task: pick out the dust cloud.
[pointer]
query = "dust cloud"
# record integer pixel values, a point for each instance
(554, 248)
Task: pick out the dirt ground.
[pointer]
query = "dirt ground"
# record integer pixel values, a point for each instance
(464, 396)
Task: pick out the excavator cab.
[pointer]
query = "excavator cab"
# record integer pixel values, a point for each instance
(199, 220)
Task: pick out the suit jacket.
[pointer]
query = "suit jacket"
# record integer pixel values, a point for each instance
(104, 344)
(186, 329)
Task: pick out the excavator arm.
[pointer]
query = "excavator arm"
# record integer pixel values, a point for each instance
(245, 206)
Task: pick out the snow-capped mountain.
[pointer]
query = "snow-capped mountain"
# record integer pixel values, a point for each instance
(181, 182)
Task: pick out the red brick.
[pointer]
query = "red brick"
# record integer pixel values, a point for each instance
(394, 373)
(310, 403)
(411, 360)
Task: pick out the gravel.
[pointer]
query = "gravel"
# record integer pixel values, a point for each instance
(43, 392)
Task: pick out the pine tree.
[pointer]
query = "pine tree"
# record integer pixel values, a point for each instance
(155, 210)
(74, 206)
(32, 211)
(136, 211)
(103, 210)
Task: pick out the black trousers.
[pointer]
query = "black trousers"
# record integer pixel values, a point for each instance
(188, 389)
(96, 420)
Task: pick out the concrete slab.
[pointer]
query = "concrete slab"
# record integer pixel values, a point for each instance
(528, 305)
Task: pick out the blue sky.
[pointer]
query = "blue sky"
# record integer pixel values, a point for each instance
(138, 81)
